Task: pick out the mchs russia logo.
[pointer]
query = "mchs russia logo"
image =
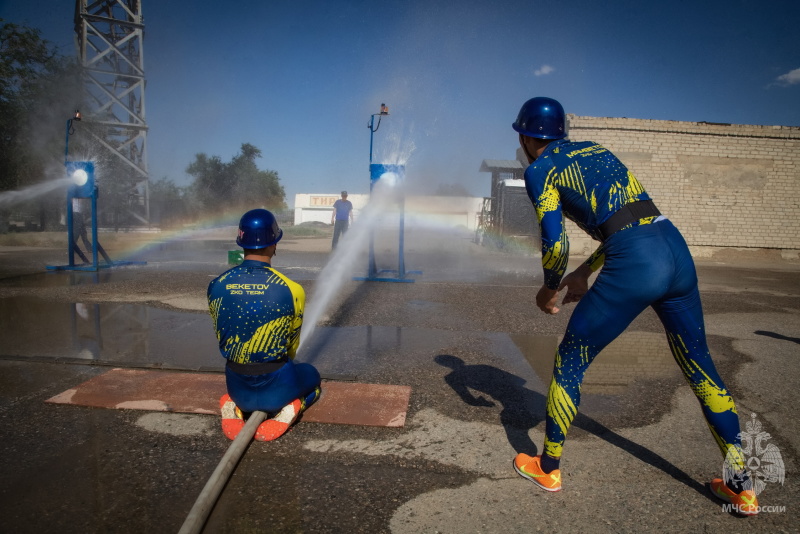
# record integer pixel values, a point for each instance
(763, 461)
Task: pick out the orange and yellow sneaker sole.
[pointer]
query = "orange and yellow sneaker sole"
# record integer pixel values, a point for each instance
(276, 426)
(744, 503)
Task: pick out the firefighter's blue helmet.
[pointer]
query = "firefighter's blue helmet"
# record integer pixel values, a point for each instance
(541, 117)
(258, 229)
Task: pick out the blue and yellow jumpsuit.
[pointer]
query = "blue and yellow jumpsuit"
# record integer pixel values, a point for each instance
(646, 263)
(257, 314)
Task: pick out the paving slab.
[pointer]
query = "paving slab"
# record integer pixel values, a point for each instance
(344, 403)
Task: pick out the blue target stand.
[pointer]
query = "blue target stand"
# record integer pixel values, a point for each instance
(376, 172)
(397, 172)
(83, 186)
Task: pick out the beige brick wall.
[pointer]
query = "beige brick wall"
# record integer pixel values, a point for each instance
(722, 185)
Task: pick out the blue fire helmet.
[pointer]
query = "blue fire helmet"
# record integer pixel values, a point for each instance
(258, 229)
(541, 117)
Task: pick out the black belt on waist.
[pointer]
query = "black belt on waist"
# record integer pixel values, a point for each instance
(626, 215)
(255, 369)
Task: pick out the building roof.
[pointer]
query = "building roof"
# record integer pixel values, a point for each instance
(501, 165)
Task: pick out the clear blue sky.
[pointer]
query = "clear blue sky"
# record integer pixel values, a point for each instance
(299, 80)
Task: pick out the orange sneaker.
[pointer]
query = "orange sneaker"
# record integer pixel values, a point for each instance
(232, 417)
(530, 468)
(275, 427)
(744, 503)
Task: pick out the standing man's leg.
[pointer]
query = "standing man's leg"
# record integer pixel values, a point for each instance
(683, 322)
(601, 315)
(594, 324)
(681, 313)
(337, 230)
(79, 231)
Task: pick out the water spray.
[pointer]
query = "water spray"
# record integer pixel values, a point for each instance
(9, 198)
(344, 258)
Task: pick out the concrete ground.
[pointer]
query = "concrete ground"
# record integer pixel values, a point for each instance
(465, 336)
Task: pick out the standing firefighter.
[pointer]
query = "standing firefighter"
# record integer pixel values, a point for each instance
(645, 262)
(257, 315)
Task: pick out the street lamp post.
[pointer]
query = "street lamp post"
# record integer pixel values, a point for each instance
(75, 117)
(373, 128)
(372, 270)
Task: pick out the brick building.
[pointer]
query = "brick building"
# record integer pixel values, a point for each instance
(724, 185)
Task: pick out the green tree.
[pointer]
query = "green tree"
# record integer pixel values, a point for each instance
(168, 202)
(212, 184)
(236, 185)
(39, 90)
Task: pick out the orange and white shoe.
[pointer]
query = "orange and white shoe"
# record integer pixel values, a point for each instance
(744, 503)
(276, 426)
(530, 467)
(232, 417)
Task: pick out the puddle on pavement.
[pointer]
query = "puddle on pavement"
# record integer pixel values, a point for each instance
(50, 279)
(111, 333)
(136, 335)
(632, 357)
(630, 383)
(364, 351)
(63, 278)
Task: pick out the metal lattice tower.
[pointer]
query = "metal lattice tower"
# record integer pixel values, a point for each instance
(110, 35)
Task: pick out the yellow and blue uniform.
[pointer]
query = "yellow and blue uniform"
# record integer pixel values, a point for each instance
(258, 314)
(645, 263)
(584, 182)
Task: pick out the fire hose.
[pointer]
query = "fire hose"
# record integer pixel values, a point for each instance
(208, 497)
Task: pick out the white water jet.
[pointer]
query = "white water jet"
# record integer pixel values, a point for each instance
(343, 263)
(9, 198)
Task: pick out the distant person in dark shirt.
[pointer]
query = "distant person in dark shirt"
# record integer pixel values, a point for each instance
(341, 217)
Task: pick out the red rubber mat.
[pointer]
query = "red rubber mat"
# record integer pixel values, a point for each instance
(345, 403)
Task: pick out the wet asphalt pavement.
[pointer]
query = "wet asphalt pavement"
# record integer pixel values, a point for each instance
(468, 340)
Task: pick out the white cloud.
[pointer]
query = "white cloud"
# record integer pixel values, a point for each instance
(546, 69)
(790, 78)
